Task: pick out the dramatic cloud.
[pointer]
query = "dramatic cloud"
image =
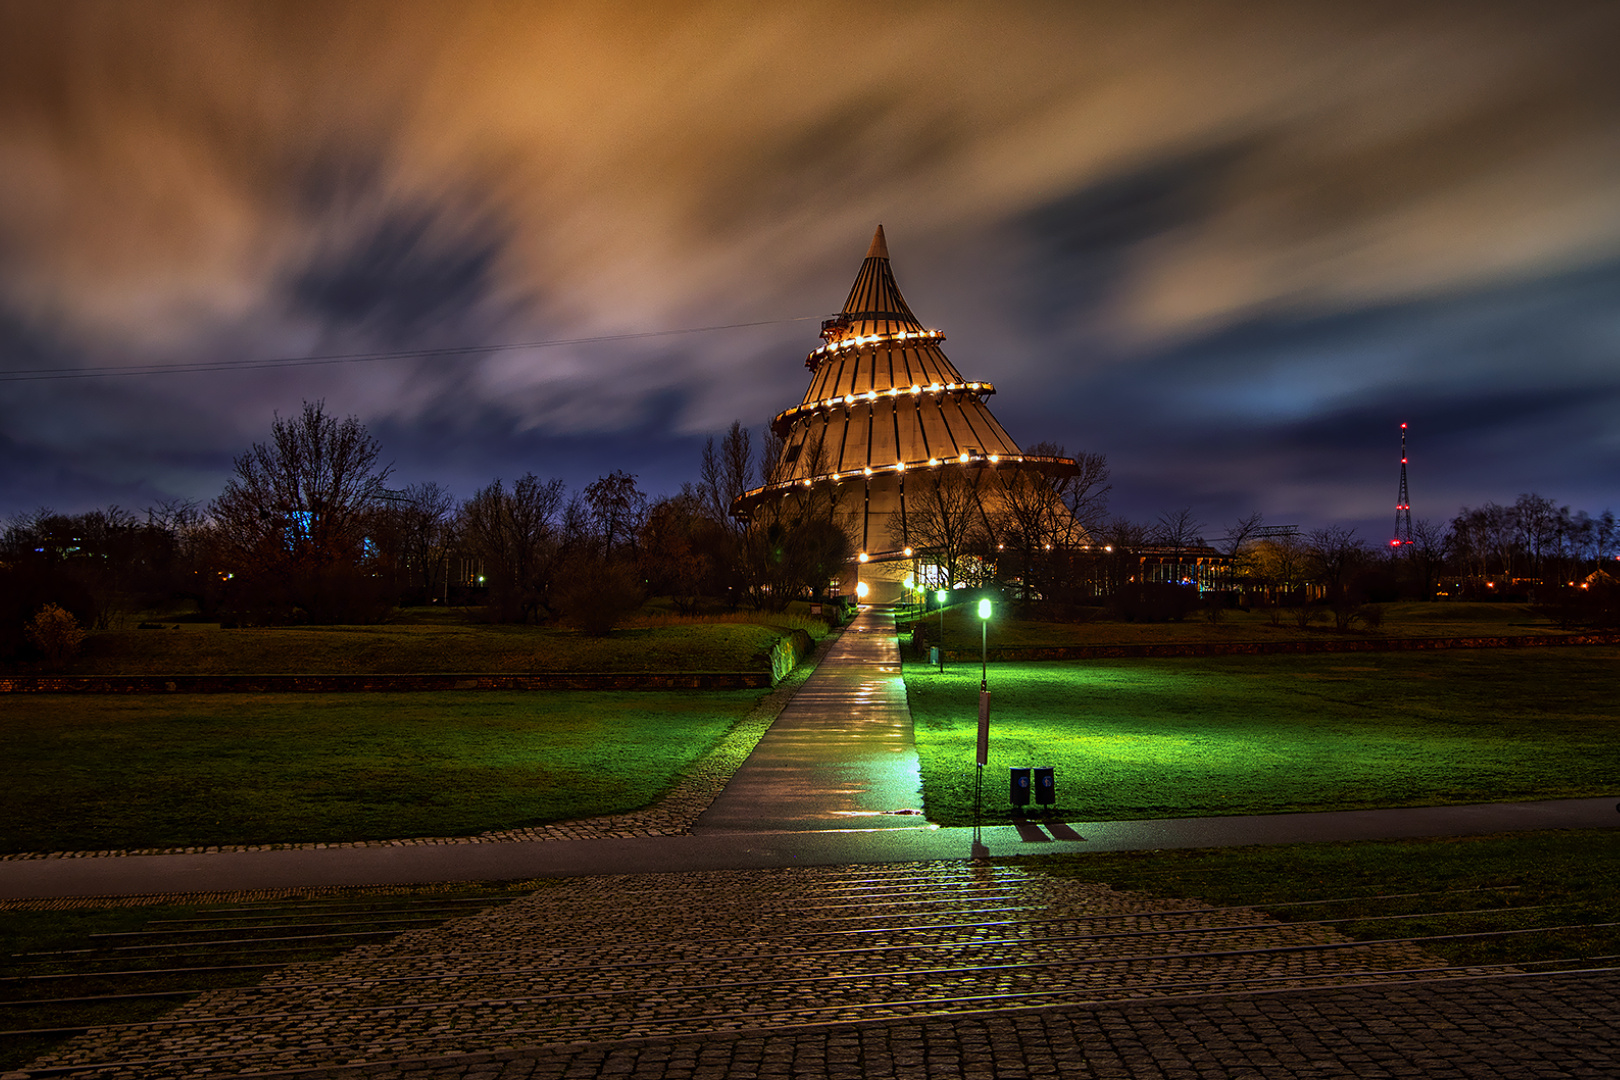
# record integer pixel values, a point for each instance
(1231, 245)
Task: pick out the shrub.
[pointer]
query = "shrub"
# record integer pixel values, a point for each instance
(1155, 602)
(594, 595)
(1372, 617)
(56, 634)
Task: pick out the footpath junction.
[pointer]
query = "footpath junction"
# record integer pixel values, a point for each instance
(809, 921)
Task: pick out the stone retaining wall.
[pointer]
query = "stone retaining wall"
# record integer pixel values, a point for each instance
(1271, 648)
(293, 684)
(788, 651)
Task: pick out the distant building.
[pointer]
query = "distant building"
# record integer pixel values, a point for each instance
(886, 422)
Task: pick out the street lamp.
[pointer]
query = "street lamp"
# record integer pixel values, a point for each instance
(982, 756)
(941, 599)
(984, 645)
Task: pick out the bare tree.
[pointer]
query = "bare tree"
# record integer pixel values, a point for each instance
(1238, 549)
(1430, 541)
(1085, 492)
(727, 473)
(1120, 560)
(1335, 553)
(1030, 521)
(424, 521)
(1279, 564)
(617, 510)
(1535, 520)
(944, 518)
(1605, 535)
(1177, 530)
(293, 518)
(770, 453)
(518, 535)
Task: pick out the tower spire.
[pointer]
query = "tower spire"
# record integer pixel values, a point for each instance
(880, 246)
(1403, 508)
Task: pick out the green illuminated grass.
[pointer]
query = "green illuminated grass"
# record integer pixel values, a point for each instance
(1408, 619)
(1240, 735)
(422, 647)
(1565, 878)
(100, 772)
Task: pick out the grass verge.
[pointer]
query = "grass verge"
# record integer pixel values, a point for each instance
(1256, 735)
(439, 647)
(1401, 620)
(1535, 879)
(90, 772)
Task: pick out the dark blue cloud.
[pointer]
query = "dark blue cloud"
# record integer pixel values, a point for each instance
(410, 273)
(1500, 384)
(1077, 244)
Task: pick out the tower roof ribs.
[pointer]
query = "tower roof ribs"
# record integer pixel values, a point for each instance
(875, 305)
(883, 401)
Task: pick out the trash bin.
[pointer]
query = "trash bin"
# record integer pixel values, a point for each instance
(1045, 786)
(1019, 792)
(933, 656)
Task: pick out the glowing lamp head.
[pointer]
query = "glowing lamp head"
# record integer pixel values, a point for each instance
(861, 589)
(984, 609)
(907, 554)
(862, 557)
(940, 596)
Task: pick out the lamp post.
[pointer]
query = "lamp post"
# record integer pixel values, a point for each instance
(941, 599)
(984, 645)
(982, 757)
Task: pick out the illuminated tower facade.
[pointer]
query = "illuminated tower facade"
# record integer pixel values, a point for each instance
(885, 409)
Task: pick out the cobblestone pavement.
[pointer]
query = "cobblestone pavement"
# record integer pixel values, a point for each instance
(910, 970)
(1533, 1029)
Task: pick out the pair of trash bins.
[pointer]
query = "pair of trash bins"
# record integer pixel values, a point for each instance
(1041, 781)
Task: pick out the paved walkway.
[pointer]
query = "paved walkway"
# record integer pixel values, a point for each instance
(840, 755)
(764, 947)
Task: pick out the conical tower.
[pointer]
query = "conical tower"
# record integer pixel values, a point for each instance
(885, 404)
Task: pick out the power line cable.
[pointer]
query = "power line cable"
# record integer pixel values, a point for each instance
(110, 371)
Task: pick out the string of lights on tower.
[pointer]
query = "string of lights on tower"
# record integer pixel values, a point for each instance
(1403, 505)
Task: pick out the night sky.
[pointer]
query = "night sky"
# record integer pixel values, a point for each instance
(1230, 246)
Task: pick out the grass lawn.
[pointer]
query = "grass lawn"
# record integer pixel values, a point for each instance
(91, 772)
(1268, 734)
(1409, 619)
(423, 648)
(1570, 878)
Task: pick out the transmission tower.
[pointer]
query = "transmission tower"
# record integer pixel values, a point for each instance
(1403, 507)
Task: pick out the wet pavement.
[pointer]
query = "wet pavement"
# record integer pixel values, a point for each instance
(839, 756)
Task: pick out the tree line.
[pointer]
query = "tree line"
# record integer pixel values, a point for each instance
(307, 529)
